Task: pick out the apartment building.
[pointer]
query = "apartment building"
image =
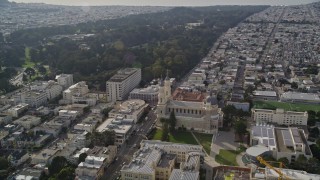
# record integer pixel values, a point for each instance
(119, 86)
(28, 121)
(280, 116)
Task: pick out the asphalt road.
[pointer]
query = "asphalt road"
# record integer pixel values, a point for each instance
(127, 150)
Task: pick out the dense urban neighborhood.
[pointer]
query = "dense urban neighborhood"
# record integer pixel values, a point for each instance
(87, 106)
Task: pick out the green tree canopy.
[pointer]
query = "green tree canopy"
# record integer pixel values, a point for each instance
(172, 121)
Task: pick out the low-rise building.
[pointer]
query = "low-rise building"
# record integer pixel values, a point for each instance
(17, 110)
(92, 168)
(296, 97)
(130, 109)
(280, 116)
(18, 157)
(5, 119)
(89, 124)
(119, 126)
(45, 156)
(278, 142)
(148, 94)
(28, 121)
(156, 160)
(28, 173)
(265, 95)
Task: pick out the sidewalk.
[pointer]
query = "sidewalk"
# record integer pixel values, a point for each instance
(239, 159)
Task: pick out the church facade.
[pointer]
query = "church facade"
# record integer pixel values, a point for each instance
(193, 110)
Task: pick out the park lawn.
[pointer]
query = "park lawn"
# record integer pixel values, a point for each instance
(227, 157)
(28, 62)
(182, 137)
(205, 140)
(177, 137)
(287, 106)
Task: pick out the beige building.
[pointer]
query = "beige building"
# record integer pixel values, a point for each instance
(28, 121)
(45, 156)
(121, 127)
(156, 160)
(119, 86)
(193, 110)
(18, 109)
(65, 80)
(130, 109)
(79, 94)
(280, 116)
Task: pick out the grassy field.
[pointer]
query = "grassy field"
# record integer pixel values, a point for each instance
(227, 157)
(177, 137)
(205, 141)
(286, 106)
(28, 62)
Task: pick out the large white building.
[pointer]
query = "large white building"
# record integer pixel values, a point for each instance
(79, 93)
(280, 116)
(38, 93)
(148, 94)
(65, 80)
(278, 142)
(296, 97)
(156, 160)
(120, 85)
(193, 110)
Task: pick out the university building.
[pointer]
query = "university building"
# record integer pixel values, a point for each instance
(193, 110)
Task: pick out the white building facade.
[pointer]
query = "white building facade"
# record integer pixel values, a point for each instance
(119, 86)
(280, 116)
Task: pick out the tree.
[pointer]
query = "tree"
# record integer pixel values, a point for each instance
(67, 173)
(42, 70)
(285, 161)
(104, 138)
(165, 132)
(240, 127)
(86, 109)
(57, 164)
(318, 142)
(294, 85)
(82, 157)
(4, 163)
(106, 111)
(172, 121)
(30, 72)
(314, 132)
(301, 162)
(229, 111)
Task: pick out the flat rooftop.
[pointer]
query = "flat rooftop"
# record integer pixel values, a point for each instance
(110, 124)
(300, 96)
(123, 74)
(265, 93)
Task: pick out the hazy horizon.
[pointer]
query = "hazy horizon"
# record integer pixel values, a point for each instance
(167, 2)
